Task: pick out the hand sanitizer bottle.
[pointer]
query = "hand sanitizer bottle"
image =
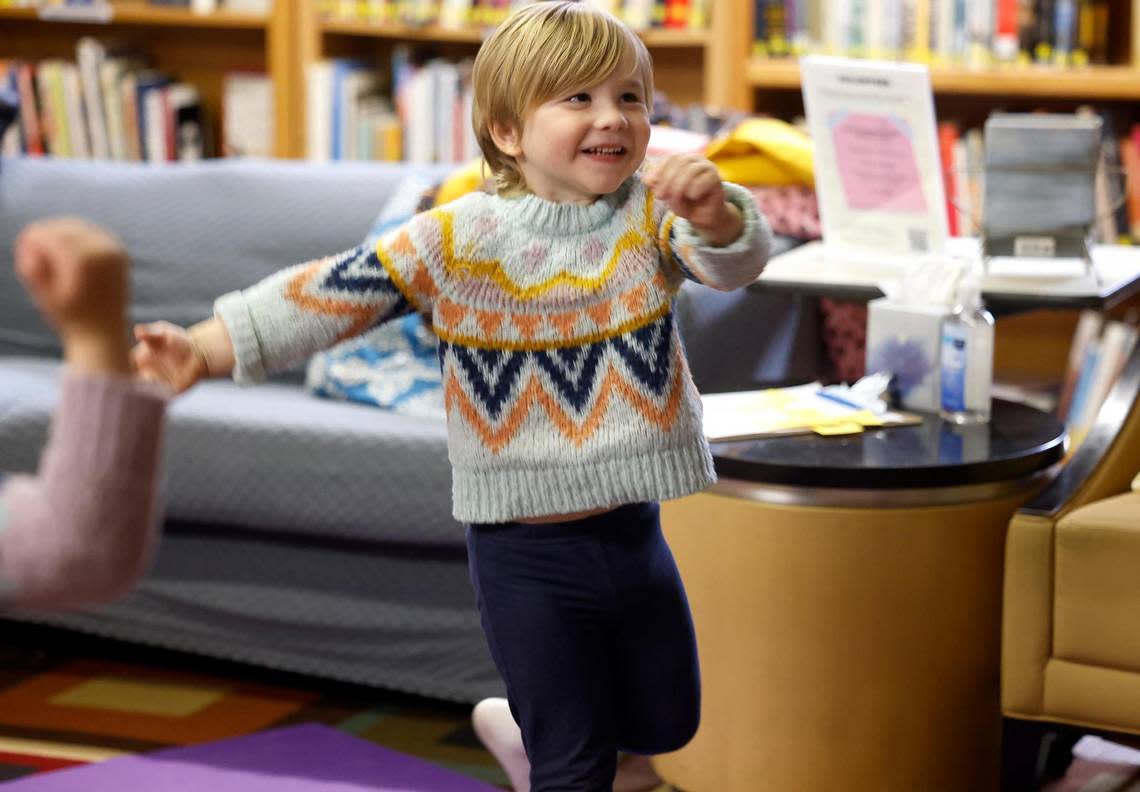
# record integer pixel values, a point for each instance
(967, 358)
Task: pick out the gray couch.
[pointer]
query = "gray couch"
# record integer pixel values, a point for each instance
(302, 534)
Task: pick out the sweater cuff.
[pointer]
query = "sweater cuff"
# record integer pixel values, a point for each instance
(233, 311)
(736, 264)
(755, 234)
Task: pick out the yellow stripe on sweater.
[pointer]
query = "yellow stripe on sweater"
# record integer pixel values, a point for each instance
(493, 268)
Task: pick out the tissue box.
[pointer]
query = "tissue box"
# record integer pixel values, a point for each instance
(905, 340)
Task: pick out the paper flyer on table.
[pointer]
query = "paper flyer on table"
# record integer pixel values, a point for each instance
(796, 410)
(878, 174)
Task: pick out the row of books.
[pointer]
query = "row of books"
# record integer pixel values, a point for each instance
(418, 112)
(1117, 191)
(973, 32)
(638, 14)
(421, 111)
(88, 9)
(111, 105)
(1098, 353)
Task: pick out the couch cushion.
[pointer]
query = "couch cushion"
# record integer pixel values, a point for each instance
(271, 457)
(1098, 584)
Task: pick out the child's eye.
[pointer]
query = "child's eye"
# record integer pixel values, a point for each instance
(631, 97)
(579, 97)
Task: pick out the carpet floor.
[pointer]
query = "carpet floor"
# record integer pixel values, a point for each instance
(68, 699)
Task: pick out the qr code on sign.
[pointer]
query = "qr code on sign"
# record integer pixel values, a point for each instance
(919, 240)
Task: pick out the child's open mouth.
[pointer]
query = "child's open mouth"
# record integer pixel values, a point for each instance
(605, 153)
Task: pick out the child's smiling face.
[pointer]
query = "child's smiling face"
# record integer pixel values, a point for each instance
(580, 145)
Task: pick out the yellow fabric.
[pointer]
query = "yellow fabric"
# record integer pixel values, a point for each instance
(1097, 592)
(1105, 698)
(764, 152)
(1027, 613)
(467, 179)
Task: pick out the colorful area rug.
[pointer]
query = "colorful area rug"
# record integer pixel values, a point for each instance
(305, 758)
(67, 700)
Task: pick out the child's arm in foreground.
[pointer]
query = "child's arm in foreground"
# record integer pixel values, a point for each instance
(713, 232)
(291, 314)
(81, 531)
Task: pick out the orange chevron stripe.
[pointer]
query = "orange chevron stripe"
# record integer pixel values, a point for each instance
(360, 316)
(601, 313)
(634, 299)
(489, 321)
(565, 322)
(527, 324)
(449, 312)
(496, 439)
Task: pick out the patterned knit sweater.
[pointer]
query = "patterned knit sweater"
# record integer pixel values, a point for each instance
(565, 382)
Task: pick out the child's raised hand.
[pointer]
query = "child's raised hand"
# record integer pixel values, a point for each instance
(166, 353)
(691, 186)
(78, 275)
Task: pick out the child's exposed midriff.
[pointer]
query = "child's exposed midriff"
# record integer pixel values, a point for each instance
(553, 518)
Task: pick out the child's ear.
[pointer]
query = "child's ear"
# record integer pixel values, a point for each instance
(507, 138)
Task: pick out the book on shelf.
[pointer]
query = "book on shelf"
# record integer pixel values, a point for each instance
(976, 33)
(1100, 350)
(424, 118)
(459, 14)
(247, 114)
(107, 104)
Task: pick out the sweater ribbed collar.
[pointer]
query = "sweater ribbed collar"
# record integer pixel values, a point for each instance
(566, 219)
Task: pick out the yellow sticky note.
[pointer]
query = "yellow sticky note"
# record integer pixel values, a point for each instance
(838, 428)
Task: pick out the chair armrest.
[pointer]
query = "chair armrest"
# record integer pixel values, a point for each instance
(1027, 613)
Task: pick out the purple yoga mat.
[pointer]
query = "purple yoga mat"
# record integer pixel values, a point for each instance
(305, 758)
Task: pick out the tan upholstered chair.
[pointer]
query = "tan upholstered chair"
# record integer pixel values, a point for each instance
(1071, 605)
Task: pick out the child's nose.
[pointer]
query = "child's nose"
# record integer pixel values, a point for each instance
(611, 117)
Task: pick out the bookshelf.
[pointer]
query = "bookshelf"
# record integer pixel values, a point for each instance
(689, 66)
(198, 48)
(772, 84)
(713, 66)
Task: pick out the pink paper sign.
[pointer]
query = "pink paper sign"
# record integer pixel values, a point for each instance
(877, 162)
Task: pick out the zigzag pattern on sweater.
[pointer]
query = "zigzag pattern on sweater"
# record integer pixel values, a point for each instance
(495, 391)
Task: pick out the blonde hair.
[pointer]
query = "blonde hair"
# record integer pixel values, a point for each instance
(543, 50)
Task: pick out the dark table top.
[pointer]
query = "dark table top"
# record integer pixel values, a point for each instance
(1017, 442)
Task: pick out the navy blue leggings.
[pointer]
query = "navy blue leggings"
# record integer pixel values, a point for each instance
(588, 623)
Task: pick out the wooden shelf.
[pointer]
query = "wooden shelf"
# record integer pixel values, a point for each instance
(143, 14)
(1092, 83)
(652, 38)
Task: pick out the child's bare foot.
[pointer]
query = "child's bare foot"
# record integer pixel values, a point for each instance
(635, 773)
(497, 730)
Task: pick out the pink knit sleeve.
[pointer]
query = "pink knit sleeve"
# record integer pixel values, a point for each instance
(82, 530)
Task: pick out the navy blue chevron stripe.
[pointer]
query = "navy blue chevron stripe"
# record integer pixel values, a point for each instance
(359, 271)
(572, 370)
(646, 351)
(492, 373)
(688, 273)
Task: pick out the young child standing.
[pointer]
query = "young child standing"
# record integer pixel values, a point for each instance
(81, 531)
(570, 409)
